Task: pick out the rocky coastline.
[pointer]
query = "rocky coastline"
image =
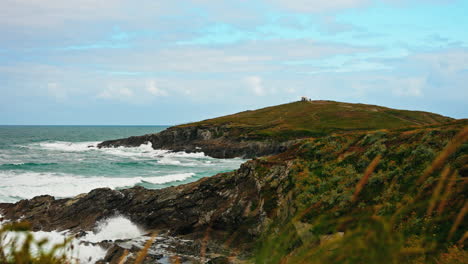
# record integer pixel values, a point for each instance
(231, 208)
(221, 219)
(217, 142)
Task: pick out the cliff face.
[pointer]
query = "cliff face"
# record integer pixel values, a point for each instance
(217, 142)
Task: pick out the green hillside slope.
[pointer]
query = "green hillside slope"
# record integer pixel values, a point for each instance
(372, 197)
(317, 118)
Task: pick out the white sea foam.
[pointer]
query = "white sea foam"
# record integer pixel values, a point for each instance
(144, 150)
(26, 185)
(167, 178)
(68, 146)
(117, 227)
(186, 155)
(26, 181)
(85, 253)
(169, 161)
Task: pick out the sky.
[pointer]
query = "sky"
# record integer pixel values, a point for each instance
(150, 62)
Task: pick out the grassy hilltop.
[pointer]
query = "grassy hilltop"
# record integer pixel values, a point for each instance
(272, 130)
(318, 118)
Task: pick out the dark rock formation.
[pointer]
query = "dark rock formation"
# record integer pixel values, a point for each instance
(232, 209)
(225, 204)
(217, 142)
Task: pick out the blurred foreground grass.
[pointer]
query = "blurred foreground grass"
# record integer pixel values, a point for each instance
(18, 246)
(408, 205)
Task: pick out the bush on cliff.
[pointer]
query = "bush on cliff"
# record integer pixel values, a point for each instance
(398, 197)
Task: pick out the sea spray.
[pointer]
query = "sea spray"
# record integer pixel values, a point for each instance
(113, 228)
(85, 248)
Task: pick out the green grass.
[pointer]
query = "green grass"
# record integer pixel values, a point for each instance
(316, 119)
(410, 209)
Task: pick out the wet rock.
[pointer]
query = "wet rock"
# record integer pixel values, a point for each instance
(231, 206)
(114, 255)
(217, 142)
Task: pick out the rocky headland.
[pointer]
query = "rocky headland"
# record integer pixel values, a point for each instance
(272, 130)
(240, 215)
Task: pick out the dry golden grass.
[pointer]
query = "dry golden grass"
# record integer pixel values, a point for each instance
(464, 237)
(369, 170)
(458, 220)
(123, 257)
(144, 251)
(437, 190)
(447, 193)
(206, 237)
(175, 260)
(438, 162)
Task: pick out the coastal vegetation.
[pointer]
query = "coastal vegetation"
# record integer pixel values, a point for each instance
(316, 118)
(384, 186)
(380, 197)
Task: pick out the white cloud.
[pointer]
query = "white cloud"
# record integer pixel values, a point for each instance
(53, 13)
(55, 90)
(255, 85)
(153, 89)
(319, 6)
(409, 87)
(402, 3)
(249, 57)
(290, 90)
(432, 74)
(113, 92)
(316, 6)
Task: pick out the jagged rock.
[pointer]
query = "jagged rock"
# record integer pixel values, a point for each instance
(234, 206)
(217, 142)
(223, 204)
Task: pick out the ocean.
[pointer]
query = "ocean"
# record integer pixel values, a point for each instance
(63, 161)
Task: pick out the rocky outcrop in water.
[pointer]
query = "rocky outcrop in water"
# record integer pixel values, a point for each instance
(217, 142)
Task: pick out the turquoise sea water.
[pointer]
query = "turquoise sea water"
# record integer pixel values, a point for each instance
(63, 161)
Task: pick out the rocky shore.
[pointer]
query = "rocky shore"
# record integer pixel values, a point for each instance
(217, 142)
(231, 208)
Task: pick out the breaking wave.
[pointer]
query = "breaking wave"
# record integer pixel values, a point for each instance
(114, 228)
(26, 185)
